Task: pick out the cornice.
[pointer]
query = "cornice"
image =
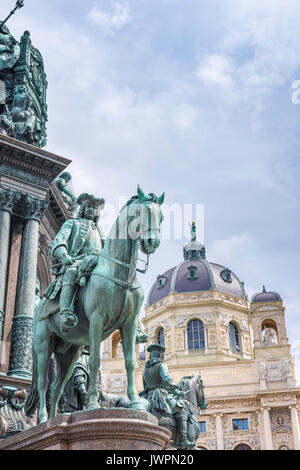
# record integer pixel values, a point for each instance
(194, 299)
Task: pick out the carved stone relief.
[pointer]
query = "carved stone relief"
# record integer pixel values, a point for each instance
(280, 419)
(117, 383)
(183, 319)
(180, 341)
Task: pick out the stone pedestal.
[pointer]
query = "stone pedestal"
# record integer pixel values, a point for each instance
(111, 429)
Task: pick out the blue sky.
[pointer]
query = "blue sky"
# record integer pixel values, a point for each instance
(190, 97)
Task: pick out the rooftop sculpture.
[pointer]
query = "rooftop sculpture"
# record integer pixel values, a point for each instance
(23, 113)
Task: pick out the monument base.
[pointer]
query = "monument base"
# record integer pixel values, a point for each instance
(104, 429)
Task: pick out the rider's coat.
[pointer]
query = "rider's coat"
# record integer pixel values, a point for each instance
(159, 388)
(79, 237)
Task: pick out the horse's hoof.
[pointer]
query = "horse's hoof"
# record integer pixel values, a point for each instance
(137, 404)
(93, 406)
(43, 419)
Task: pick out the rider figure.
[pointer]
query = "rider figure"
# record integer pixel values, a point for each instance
(164, 395)
(77, 247)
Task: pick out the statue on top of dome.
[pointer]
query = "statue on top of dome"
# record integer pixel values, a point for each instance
(193, 232)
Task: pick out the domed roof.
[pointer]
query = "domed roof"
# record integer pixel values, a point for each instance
(265, 296)
(195, 274)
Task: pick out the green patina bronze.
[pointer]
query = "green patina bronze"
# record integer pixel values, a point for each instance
(175, 406)
(62, 183)
(23, 112)
(108, 300)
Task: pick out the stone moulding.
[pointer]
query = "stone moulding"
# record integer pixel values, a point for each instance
(113, 429)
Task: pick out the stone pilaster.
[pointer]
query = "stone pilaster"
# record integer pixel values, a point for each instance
(21, 346)
(219, 431)
(8, 199)
(295, 426)
(267, 429)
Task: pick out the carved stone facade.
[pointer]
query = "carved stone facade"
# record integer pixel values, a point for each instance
(249, 384)
(31, 213)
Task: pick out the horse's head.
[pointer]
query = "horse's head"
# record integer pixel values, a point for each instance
(201, 400)
(148, 208)
(194, 385)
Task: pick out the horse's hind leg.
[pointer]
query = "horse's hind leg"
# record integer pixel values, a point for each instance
(43, 353)
(95, 332)
(65, 362)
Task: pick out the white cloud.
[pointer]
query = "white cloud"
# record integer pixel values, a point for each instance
(258, 54)
(111, 21)
(230, 248)
(217, 70)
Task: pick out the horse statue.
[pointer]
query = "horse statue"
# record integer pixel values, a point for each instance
(110, 301)
(194, 399)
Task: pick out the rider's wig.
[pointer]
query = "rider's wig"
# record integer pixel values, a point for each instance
(83, 200)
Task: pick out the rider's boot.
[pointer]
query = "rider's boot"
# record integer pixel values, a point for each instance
(68, 319)
(182, 438)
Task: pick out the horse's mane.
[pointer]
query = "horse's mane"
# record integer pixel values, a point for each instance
(151, 197)
(184, 379)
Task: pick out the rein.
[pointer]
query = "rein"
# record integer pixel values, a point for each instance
(125, 285)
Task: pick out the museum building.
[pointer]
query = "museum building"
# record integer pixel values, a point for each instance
(201, 313)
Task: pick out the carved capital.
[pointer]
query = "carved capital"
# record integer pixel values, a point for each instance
(8, 199)
(265, 408)
(34, 208)
(293, 407)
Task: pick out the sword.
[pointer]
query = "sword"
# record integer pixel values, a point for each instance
(19, 4)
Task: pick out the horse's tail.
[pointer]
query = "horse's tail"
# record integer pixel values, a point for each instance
(32, 399)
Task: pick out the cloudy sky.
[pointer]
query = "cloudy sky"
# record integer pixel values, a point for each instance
(190, 97)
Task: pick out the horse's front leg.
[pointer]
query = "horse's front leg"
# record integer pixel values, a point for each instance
(128, 333)
(95, 333)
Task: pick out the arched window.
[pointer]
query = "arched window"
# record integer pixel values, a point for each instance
(195, 335)
(161, 337)
(242, 447)
(234, 337)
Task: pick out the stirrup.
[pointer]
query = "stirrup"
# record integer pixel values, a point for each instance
(68, 321)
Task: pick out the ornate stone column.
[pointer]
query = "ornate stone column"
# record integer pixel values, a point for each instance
(219, 431)
(295, 426)
(267, 429)
(21, 347)
(8, 199)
